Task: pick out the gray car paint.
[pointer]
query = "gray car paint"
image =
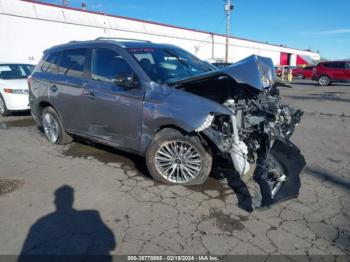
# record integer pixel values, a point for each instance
(129, 118)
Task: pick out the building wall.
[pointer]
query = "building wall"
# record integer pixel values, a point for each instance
(27, 29)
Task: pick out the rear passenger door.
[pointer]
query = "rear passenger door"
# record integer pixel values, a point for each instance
(66, 91)
(339, 71)
(115, 112)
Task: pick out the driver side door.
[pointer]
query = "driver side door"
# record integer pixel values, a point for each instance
(114, 111)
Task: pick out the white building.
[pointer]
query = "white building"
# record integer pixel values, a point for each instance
(27, 28)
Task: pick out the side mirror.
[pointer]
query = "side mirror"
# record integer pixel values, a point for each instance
(126, 79)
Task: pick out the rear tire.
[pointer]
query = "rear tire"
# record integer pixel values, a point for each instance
(53, 127)
(176, 158)
(324, 81)
(3, 108)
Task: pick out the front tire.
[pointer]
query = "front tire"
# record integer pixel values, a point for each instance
(53, 128)
(324, 81)
(176, 158)
(3, 108)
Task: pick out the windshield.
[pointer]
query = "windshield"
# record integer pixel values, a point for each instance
(165, 65)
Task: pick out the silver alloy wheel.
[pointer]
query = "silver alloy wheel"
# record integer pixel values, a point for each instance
(51, 127)
(178, 162)
(324, 80)
(2, 106)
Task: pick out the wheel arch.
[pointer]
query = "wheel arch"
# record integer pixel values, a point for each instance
(44, 104)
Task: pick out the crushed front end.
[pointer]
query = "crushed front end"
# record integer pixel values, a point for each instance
(257, 131)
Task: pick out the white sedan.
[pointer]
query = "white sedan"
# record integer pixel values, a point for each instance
(14, 87)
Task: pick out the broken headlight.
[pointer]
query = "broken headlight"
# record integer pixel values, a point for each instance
(206, 123)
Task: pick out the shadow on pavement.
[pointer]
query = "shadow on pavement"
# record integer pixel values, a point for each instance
(324, 175)
(320, 97)
(223, 170)
(79, 235)
(304, 83)
(83, 148)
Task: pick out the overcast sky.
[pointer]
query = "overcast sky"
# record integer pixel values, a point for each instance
(316, 24)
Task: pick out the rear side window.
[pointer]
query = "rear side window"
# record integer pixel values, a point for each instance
(72, 62)
(327, 65)
(107, 64)
(339, 65)
(50, 63)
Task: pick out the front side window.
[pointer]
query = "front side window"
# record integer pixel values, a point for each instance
(107, 64)
(347, 65)
(165, 65)
(72, 62)
(15, 71)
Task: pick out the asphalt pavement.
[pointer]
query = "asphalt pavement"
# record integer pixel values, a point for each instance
(92, 199)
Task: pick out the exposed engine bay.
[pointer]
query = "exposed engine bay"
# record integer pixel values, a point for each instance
(257, 132)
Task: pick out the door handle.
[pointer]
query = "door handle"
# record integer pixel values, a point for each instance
(89, 92)
(53, 88)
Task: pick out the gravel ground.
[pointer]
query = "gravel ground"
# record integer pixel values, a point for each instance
(85, 199)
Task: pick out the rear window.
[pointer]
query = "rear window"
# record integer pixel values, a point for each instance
(15, 71)
(72, 62)
(50, 63)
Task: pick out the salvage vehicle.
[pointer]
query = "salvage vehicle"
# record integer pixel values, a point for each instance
(13, 87)
(161, 102)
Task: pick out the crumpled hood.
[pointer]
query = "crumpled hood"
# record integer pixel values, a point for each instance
(253, 71)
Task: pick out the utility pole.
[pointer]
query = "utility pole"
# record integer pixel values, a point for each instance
(228, 10)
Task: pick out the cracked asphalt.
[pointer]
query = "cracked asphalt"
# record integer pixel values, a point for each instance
(116, 202)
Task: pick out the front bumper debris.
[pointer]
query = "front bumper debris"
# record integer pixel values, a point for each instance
(274, 189)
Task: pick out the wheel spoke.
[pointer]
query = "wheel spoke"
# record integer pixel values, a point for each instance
(51, 127)
(178, 162)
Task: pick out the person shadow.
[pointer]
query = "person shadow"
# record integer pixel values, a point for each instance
(68, 234)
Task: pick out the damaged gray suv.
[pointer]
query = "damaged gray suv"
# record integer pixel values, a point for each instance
(161, 102)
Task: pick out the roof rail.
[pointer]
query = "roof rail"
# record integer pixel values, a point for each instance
(118, 38)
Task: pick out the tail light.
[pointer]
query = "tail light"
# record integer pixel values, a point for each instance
(16, 91)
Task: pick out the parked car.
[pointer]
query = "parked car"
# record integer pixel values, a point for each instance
(303, 72)
(13, 87)
(161, 102)
(332, 71)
